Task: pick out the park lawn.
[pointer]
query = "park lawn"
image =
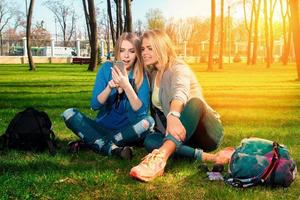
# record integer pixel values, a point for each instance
(252, 100)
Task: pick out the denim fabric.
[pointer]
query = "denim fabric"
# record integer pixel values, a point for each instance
(105, 110)
(101, 139)
(194, 117)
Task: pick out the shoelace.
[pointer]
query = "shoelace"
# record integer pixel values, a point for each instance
(147, 160)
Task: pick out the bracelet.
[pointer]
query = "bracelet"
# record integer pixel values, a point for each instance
(174, 113)
(109, 86)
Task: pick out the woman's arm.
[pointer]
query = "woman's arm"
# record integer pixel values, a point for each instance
(101, 88)
(122, 81)
(174, 125)
(181, 82)
(134, 100)
(102, 97)
(221, 157)
(180, 93)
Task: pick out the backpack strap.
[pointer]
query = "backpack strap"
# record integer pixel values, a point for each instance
(260, 179)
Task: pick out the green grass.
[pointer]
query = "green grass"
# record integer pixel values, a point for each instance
(252, 100)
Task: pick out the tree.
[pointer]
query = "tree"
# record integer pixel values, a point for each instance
(93, 39)
(28, 36)
(6, 14)
(221, 36)
(39, 35)
(139, 28)
(19, 20)
(103, 26)
(116, 27)
(87, 19)
(66, 17)
(249, 28)
(256, 22)
(272, 9)
(287, 34)
(267, 34)
(128, 17)
(155, 19)
(183, 30)
(111, 23)
(119, 27)
(295, 22)
(171, 30)
(212, 35)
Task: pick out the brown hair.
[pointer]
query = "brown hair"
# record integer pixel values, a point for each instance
(138, 68)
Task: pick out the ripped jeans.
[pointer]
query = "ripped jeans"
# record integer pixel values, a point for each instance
(103, 140)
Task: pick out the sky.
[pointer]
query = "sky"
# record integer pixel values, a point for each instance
(170, 8)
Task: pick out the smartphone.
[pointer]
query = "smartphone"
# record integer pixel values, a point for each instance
(120, 65)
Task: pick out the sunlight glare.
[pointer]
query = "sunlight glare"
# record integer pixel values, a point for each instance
(189, 8)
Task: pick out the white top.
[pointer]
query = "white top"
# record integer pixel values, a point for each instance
(155, 96)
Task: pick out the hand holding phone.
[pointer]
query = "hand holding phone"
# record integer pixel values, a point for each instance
(120, 65)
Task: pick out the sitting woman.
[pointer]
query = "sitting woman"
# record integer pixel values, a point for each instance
(122, 97)
(186, 124)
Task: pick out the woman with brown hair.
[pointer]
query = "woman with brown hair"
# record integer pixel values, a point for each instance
(121, 95)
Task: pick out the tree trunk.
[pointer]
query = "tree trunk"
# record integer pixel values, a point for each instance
(111, 23)
(108, 57)
(87, 19)
(272, 8)
(28, 36)
(289, 42)
(255, 43)
(295, 22)
(268, 56)
(1, 43)
(287, 32)
(119, 18)
(284, 55)
(221, 36)
(128, 19)
(93, 41)
(212, 35)
(249, 31)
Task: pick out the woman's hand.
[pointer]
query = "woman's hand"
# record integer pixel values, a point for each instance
(175, 128)
(111, 84)
(224, 155)
(120, 79)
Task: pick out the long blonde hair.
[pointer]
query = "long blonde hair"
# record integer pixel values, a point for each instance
(162, 47)
(138, 68)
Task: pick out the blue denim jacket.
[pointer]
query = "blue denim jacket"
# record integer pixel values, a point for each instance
(117, 116)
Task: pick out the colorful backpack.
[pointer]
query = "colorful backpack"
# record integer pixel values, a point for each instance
(261, 162)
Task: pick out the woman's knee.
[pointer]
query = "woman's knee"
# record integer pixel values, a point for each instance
(69, 113)
(146, 124)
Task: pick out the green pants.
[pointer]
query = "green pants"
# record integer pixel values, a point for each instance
(204, 131)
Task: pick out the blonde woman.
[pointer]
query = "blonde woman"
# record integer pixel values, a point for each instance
(186, 124)
(122, 99)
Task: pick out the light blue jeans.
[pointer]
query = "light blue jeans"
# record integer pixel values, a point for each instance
(101, 139)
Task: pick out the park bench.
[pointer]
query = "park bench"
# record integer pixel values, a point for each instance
(81, 61)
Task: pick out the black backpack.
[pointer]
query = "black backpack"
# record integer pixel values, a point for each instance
(30, 130)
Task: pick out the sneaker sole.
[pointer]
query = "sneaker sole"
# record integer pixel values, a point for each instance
(146, 179)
